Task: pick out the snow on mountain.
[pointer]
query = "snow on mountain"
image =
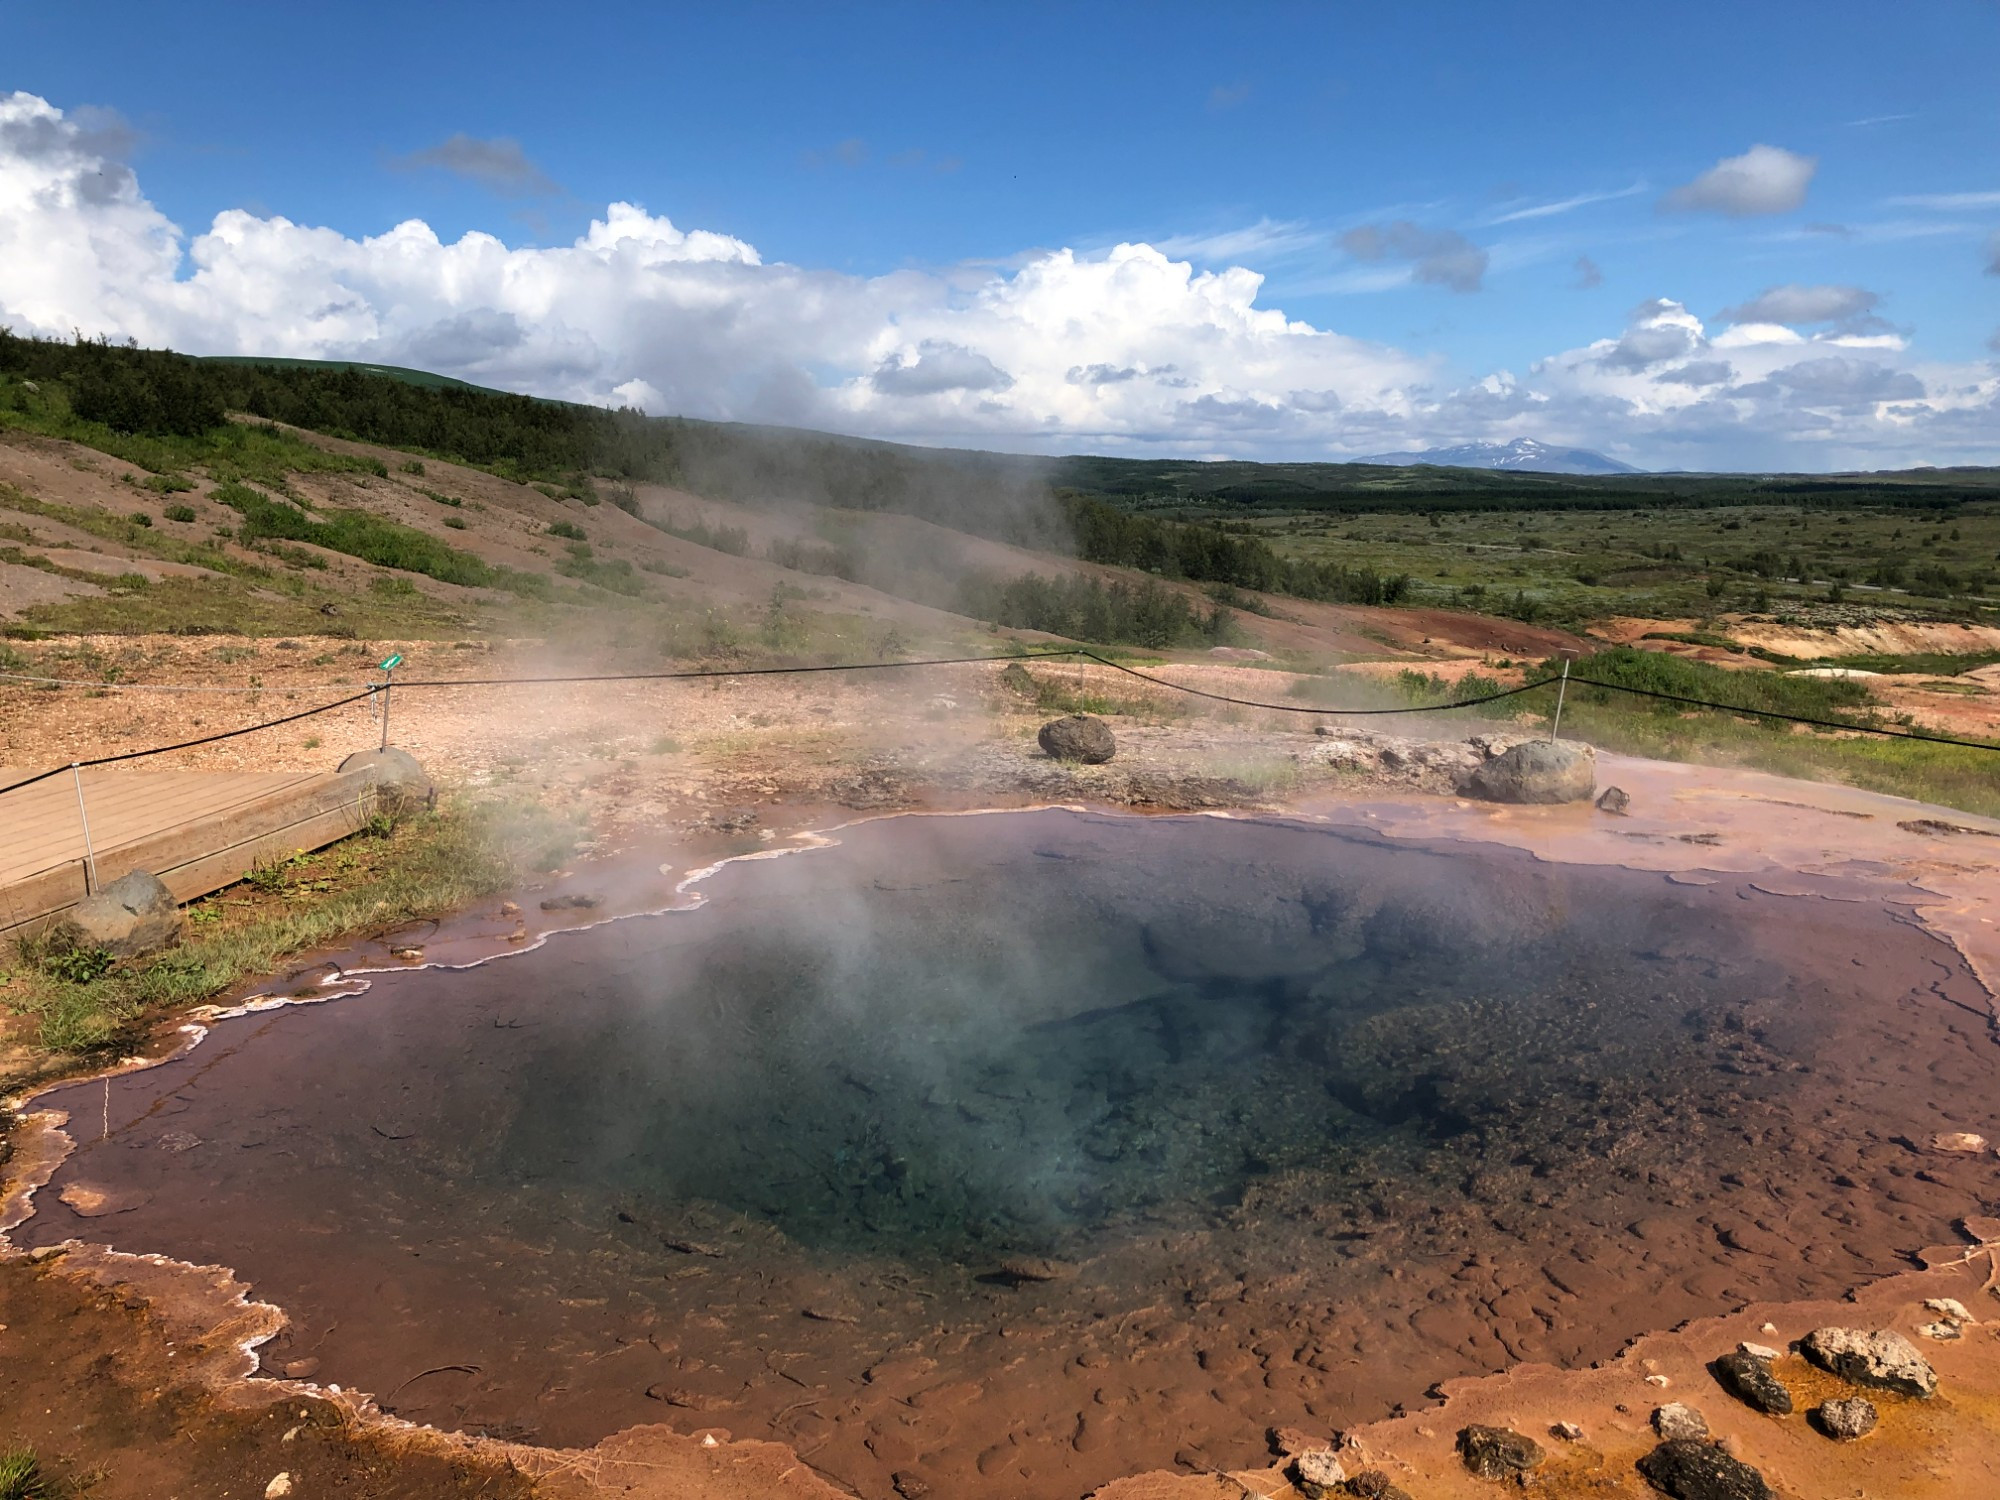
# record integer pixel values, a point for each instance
(1523, 453)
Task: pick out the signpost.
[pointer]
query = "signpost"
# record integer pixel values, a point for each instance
(389, 665)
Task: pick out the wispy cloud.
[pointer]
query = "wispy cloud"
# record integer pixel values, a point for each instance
(1563, 205)
(1877, 120)
(1947, 202)
(1228, 95)
(1266, 239)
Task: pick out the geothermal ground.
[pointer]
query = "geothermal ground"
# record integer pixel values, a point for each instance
(1801, 963)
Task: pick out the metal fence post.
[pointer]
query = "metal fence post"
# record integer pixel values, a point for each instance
(83, 815)
(1562, 691)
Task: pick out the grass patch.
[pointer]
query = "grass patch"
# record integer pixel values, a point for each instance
(23, 1478)
(423, 866)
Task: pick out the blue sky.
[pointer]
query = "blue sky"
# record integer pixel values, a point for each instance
(1530, 153)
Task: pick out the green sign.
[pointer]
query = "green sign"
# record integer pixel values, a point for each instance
(393, 661)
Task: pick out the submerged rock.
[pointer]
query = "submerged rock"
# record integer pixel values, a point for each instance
(1748, 1378)
(1675, 1421)
(1691, 1470)
(1537, 771)
(1845, 1421)
(1080, 737)
(1614, 800)
(1881, 1358)
(1497, 1452)
(134, 914)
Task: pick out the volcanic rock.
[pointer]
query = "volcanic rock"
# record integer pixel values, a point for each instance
(1690, 1470)
(400, 783)
(1319, 1474)
(1748, 1378)
(572, 901)
(1537, 771)
(1675, 1421)
(1963, 1142)
(134, 914)
(1614, 800)
(1081, 737)
(1497, 1452)
(1373, 1484)
(1880, 1358)
(1845, 1421)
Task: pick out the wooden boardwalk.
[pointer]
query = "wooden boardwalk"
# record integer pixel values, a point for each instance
(197, 830)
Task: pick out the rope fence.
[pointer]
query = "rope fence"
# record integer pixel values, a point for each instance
(1070, 653)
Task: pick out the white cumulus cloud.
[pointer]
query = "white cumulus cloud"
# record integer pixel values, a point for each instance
(1131, 349)
(1763, 180)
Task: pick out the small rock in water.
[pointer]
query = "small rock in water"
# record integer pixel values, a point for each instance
(1373, 1484)
(1690, 1470)
(510, 909)
(1031, 1268)
(407, 955)
(1614, 800)
(300, 1369)
(1659, 1380)
(1080, 737)
(1319, 1474)
(1845, 1421)
(1569, 1432)
(1748, 1378)
(1958, 1142)
(1674, 1422)
(1497, 1452)
(1879, 1358)
(572, 901)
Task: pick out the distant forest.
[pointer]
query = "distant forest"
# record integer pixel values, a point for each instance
(1161, 516)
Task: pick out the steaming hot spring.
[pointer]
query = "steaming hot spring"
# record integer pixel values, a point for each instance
(1006, 1154)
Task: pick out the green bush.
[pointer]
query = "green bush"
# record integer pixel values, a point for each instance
(182, 513)
(356, 533)
(568, 529)
(1088, 609)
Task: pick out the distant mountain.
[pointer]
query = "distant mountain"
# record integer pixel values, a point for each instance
(1522, 453)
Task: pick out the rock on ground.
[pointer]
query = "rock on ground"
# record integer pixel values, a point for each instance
(1615, 800)
(1373, 1484)
(1537, 771)
(1079, 737)
(1497, 1452)
(1748, 1378)
(1319, 1473)
(1692, 1470)
(134, 914)
(1675, 1421)
(400, 782)
(1844, 1421)
(1880, 1358)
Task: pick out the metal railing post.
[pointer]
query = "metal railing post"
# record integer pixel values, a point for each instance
(1562, 691)
(83, 816)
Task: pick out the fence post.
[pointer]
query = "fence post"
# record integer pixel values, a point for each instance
(1562, 690)
(83, 815)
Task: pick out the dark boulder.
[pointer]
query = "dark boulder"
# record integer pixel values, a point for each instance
(134, 914)
(1497, 1452)
(1537, 771)
(1615, 800)
(400, 783)
(1693, 1470)
(1079, 737)
(1748, 1378)
(1373, 1484)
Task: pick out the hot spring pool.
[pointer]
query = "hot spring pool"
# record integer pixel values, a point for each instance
(1005, 1154)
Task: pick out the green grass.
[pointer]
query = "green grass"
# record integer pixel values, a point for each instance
(22, 1477)
(1914, 663)
(425, 866)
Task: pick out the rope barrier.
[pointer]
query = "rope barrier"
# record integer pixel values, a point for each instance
(706, 673)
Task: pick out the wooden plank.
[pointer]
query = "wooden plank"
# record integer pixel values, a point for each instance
(39, 897)
(210, 850)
